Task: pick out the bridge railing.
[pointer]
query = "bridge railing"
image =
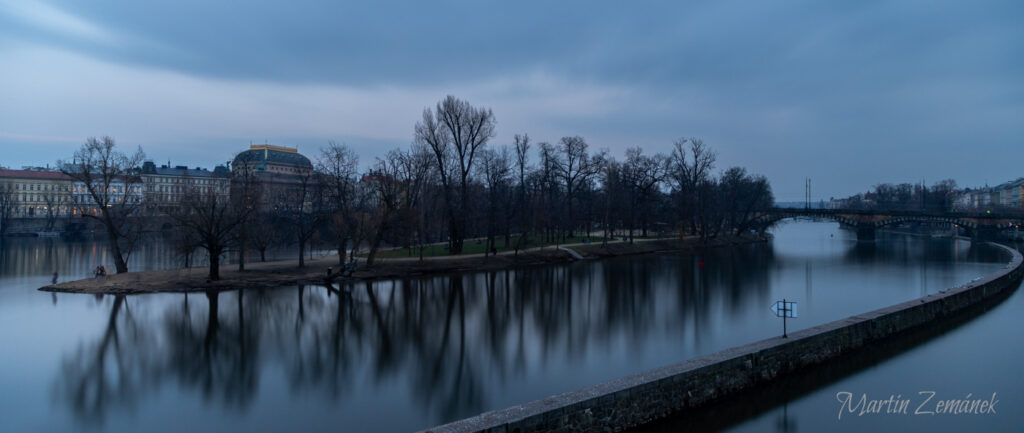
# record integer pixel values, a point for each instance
(1002, 214)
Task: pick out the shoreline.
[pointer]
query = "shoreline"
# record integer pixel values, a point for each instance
(287, 272)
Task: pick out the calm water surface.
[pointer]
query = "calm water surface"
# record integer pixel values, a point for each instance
(409, 354)
(972, 361)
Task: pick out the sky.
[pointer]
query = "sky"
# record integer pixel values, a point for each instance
(848, 94)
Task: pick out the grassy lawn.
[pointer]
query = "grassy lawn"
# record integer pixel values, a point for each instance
(472, 247)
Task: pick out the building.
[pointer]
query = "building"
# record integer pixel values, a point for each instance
(83, 202)
(279, 170)
(1011, 194)
(1006, 195)
(274, 163)
(163, 187)
(37, 192)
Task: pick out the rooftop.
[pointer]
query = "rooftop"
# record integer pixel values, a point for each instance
(33, 174)
(264, 153)
(274, 148)
(150, 168)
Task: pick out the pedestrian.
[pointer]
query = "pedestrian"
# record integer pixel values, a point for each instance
(103, 271)
(54, 277)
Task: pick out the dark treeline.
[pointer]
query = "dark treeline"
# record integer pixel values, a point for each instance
(452, 185)
(905, 196)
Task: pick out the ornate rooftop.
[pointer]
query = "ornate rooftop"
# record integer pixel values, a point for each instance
(265, 153)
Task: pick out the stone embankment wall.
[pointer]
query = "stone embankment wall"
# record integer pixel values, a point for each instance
(638, 399)
(31, 226)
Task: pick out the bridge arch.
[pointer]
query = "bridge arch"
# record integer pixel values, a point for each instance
(959, 222)
(770, 219)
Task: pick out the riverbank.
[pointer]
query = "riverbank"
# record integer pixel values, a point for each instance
(315, 271)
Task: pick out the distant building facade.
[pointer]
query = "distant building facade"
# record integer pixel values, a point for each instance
(164, 187)
(280, 170)
(1006, 195)
(83, 202)
(38, 192)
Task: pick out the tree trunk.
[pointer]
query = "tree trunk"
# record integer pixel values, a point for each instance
(342, 250)
(214, 265)
(643, 224)
(302, 252)
(372, 255)
(568, 202)
(455, 240)
(115, 248)
(241, 249)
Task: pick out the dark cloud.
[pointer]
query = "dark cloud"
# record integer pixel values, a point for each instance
(744, 43)
(775, 85)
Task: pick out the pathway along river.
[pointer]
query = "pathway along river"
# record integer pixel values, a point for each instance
(409, 354)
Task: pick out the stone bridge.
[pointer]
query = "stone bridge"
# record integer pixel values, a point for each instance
(978, 225)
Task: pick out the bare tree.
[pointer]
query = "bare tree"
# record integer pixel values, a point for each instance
(547, 189)
(246, 199)
(643, 174)
(522, 146)
(495, 171)
(8, 203)
(415, 210)
(213, 218)
(455, 131)
(389, 189)
(575, 167)
(263, 233)
(337, 168)
(743, 195)
(184, 244)
(112, 183)
(614, 189)
(55, 201)
(690, 166)
(360, 218)
(710, 218)
(300, 205)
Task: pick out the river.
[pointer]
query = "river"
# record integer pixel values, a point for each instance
(410, 354)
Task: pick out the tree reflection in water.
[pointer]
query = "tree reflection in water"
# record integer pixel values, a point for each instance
(456, 341)
(218, 359)
(114, 371)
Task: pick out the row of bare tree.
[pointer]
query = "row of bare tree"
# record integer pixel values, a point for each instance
(905, 196)
(448, 186)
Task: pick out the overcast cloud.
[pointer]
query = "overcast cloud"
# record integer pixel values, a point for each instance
(848, 93)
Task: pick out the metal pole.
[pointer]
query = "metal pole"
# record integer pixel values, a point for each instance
(785, 312)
